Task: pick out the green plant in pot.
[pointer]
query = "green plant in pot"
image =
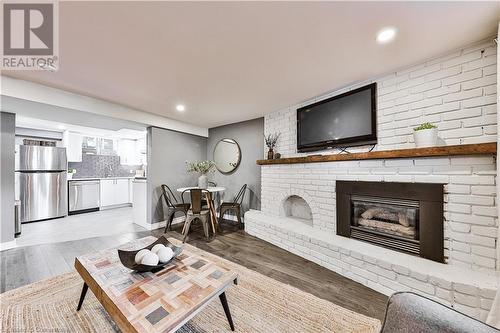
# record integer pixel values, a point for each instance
(425, 135)
(71, 172)
(201, 167)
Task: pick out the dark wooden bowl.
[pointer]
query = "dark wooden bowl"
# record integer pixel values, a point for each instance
(128, 257)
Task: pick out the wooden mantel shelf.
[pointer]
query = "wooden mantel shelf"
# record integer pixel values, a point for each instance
(471, 149)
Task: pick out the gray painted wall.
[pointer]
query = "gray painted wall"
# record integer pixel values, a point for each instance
(7, 187)
(249, 135)
(167, 154)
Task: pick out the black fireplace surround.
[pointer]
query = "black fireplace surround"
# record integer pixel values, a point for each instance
(406, 217)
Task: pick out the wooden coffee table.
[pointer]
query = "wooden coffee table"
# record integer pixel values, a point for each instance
(154, 302)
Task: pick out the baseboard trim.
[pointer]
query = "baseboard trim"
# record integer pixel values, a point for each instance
(151, 226)
(83, 211)
(179, 219)
(160, 224)
(115, 206)
(8, 245)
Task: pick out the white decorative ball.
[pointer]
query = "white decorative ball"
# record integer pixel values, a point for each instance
(165, 254)
(157, 248)
(150, 259)
(139, 255)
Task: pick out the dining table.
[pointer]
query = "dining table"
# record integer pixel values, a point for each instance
(217, 190)
(211, 189)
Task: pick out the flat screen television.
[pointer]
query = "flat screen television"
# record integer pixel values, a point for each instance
(345, 120)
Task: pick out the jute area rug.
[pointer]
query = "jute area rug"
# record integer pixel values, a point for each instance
(258, 304)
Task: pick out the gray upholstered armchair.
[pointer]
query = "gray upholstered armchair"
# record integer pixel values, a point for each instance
(409, 312)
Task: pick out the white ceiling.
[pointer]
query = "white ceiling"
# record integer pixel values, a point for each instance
(232, 61)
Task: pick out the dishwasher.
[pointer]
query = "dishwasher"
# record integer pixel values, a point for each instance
(83, 196)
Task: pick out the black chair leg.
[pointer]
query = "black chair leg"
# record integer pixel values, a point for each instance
(82, 296)
(223, 300)
(238, 215)
(221, 217)
(168, 226)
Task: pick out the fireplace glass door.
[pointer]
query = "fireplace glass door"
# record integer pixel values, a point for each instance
(393, 218)
(406, 217)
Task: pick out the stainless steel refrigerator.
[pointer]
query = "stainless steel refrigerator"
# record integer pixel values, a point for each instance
(41, 174)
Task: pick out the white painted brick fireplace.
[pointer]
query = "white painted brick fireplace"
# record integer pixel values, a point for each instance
(457, 92)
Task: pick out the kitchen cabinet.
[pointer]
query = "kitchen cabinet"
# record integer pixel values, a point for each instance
(130, 191)
(131, 152)
(107, 192)
(115, 191)
(89, 145)
(139, 188)
(127, 152)
(122, 191)
(106, 146)
(140, 150)
(73, 143)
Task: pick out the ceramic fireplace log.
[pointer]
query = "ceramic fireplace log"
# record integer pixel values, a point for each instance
(384, 214)
(396, 228)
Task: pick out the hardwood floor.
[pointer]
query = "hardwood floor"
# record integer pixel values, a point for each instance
(25, 265)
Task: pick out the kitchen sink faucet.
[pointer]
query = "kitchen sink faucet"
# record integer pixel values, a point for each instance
(108, 171)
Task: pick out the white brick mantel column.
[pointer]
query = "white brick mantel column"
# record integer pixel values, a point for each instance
(498, 140)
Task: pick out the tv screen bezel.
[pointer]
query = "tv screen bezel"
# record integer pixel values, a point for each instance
(360, 140)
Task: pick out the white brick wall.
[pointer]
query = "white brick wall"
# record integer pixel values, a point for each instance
(456, 92)
(380, 269)
(470, 214)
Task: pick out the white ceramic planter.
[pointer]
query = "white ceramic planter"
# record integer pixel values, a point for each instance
(203, 182)
(426, 137)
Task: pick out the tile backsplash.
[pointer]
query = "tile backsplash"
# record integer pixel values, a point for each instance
(99, 166)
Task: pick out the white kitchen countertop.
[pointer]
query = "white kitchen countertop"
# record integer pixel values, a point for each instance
(99, 178)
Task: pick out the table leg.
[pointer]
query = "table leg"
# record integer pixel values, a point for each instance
(223, 300)
(82, 296)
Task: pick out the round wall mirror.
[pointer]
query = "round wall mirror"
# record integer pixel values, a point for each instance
(227, 155)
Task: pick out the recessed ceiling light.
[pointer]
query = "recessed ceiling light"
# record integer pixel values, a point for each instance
(386, 35)
(180, 107)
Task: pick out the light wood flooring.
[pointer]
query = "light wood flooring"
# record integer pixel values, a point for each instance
(73, 227)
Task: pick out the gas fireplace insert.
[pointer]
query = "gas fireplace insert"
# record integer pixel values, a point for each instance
(406, 217)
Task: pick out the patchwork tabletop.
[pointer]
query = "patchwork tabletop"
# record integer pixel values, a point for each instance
(153, 302)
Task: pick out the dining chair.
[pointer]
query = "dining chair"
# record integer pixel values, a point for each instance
(196, 212)
(234, 205)
(204, 202)
(173, 205)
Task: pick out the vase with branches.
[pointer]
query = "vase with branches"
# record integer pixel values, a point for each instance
(271, 141)
(201, 167)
